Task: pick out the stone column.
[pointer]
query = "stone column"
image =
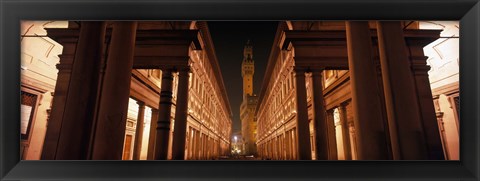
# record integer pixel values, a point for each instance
(332, 136)
(321, 138)
(367, 110)
(441, 127)
(163, 122)
(152, 134)
(303, 131)
(199, 144)
(139, 131)
(345, 132)
(181, 114)
(403, 112)
(70, 126)
(113, 105)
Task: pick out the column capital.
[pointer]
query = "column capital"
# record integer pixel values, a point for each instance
(299, 70)
(343, 105)
(167, 69)
(179, 69)
(63, 66)
(167, 74)
(185, 69)
(419, 65)
(184, 72)
(317, 72)
(141, 104)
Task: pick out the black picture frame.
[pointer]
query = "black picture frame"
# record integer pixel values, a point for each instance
(13, 11)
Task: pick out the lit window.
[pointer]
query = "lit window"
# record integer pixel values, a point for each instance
(28, 103)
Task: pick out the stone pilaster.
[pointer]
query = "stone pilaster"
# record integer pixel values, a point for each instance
(69, 130)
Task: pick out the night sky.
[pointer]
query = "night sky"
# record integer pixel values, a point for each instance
(229, 39)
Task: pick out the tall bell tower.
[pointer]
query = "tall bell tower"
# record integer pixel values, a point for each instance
(247, 70)
(249, 103)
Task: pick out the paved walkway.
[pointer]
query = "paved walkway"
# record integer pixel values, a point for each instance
(238, 157)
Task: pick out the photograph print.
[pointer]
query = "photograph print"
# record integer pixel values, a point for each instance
(239, 90)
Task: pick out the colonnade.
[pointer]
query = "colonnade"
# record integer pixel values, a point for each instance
(91, 95)
(390, 92)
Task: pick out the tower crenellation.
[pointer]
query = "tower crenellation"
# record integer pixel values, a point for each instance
(248, 69)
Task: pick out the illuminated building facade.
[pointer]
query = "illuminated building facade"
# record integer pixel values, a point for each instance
(247, 108)
(81, 105)
(127, 90)
(38, 76)
(444, 75)
(338, 90)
